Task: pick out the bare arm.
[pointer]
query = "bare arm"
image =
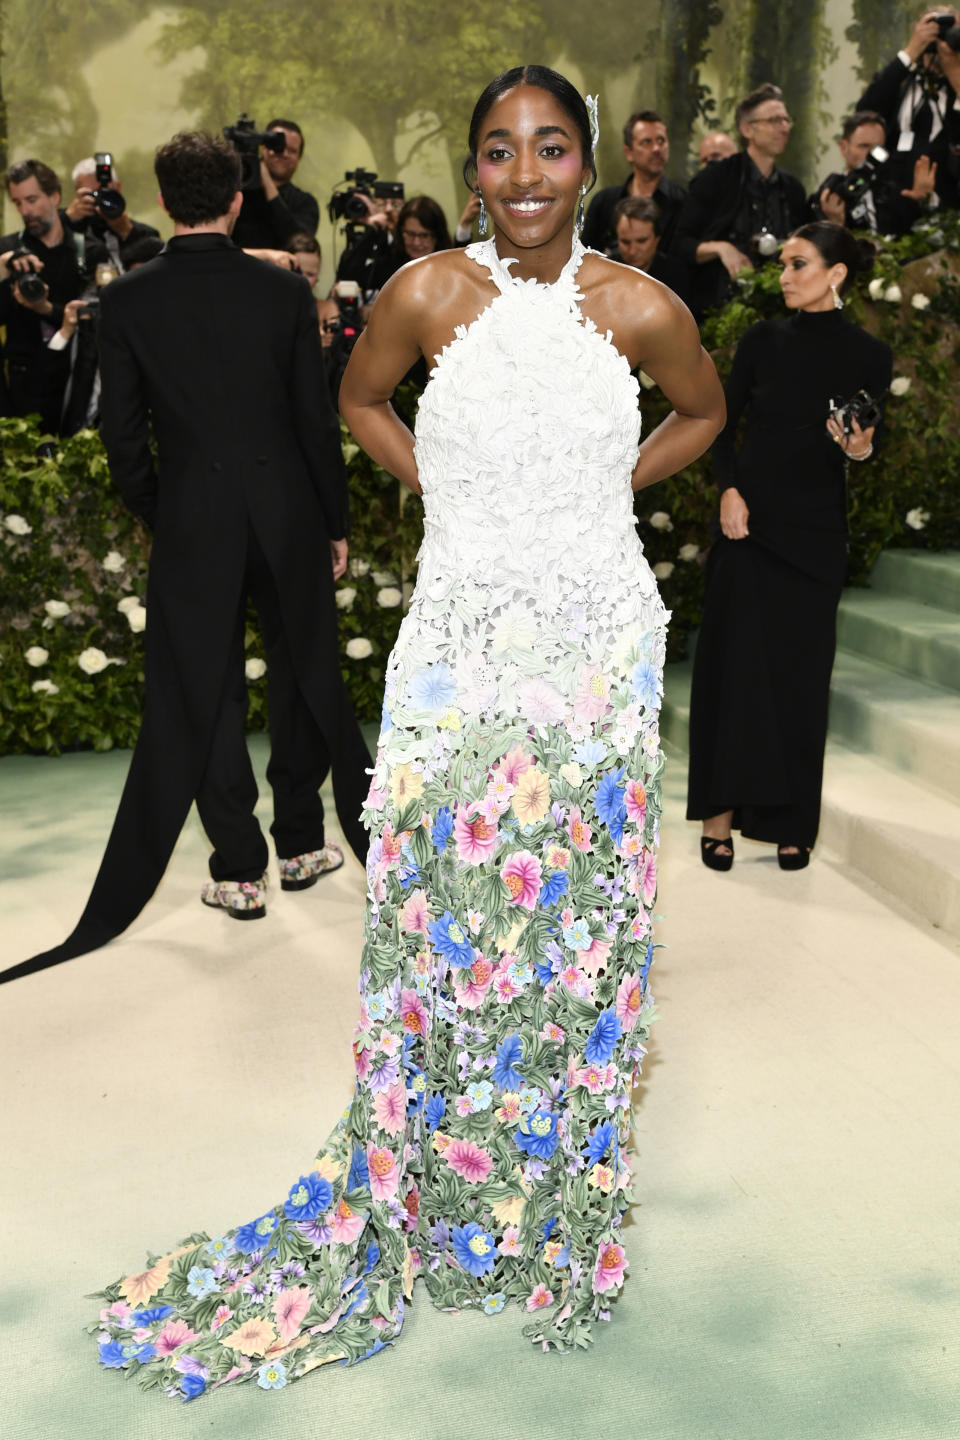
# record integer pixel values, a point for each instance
(671, 353)
(381, 357)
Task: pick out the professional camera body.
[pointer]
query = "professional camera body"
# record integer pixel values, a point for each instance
(862, 407)
(949, 33)
(852, 186)
(110, 203)
(27, 282)
(246, 139)
(347, 205)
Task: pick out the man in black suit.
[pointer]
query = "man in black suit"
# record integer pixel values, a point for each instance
(918, 96)
(739, 209)
(647, 146)
(221, 354)
(637, 224)
(875, 201)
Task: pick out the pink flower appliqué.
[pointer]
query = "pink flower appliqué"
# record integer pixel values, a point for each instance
(472, 1162)
(289, 1309)
(390, 1109)
(593, 692)
(579, 831)
(472, 984)
(636, 798)
(510, 1244)
(224, 1313)
(612, 1263)
(515, 763)
(539, 1298)
(174, 1334)
(629, 1001)
(648, 877)
(415, 914)
(414, 1016)
(476, 836)
(595, 956)
(345, 1224)
(384, 1175)
(522, 874)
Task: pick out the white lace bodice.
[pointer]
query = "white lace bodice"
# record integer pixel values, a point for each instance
(532, 581)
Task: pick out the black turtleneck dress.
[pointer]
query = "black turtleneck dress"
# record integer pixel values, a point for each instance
(761, 674)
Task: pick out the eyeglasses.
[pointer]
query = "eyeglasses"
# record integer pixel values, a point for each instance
(416, 234)
(773, 120)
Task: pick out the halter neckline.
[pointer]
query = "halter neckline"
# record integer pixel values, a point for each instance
(484, 252)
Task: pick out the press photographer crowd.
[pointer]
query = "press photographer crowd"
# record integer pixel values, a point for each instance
(898, 161)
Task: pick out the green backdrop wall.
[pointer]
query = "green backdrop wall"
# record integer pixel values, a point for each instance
(389, 83)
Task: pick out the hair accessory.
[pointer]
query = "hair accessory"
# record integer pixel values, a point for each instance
(592, 111)
(837, 298)
(482, 217)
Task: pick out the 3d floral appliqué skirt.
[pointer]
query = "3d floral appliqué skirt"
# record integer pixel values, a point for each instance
(504, 1012)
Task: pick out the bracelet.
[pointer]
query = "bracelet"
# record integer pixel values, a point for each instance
(865, 456)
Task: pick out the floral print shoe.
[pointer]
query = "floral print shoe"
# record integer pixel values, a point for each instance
(302, 871)
(242, 899)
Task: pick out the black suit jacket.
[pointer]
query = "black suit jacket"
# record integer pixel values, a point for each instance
(885, 94)
(599, 232)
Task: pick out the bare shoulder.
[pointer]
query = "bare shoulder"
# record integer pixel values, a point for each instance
(441, 278)
(638, 310)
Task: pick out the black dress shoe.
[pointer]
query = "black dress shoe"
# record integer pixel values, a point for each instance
(799, 859)
(709, 856)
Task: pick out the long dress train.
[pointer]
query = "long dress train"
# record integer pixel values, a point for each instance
(514, 813)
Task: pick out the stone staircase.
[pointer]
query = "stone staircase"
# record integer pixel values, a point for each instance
(891, 795)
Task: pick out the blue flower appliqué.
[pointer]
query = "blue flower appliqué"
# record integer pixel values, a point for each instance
(556, 886)
(308, 1197)
(603, 1039)
(506, 1075)
(474, 1248)
(252, 1237)
(538, 1134)
(433, 687)
(448, 938)
(442, 828)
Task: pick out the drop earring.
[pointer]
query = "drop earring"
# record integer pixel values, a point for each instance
(837, 298)
(580, 217)
(482, 218)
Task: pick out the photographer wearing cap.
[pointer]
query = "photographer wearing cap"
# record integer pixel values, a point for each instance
(275, 209)
(214, 358)
(42, 267)
(918, 97)
(866, 196)
(99, 209)
(738, 210)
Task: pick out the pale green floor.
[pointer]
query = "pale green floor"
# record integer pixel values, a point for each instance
(794, 1257)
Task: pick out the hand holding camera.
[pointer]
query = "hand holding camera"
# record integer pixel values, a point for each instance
(23, 272)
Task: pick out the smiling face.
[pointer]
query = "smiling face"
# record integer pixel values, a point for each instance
(806, 278)
(530, 168)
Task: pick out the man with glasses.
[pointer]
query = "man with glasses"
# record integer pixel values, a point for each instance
(739, 209)
(647, 146)
(277, 209)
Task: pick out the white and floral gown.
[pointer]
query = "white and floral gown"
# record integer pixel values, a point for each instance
(514, 813)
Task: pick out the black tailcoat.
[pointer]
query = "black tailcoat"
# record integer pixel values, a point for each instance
(222, 353)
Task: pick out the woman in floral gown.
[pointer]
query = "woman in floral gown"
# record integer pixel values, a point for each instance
(514, 809)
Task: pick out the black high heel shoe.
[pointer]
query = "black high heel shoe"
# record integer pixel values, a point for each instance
(709, 856)
(798, 861)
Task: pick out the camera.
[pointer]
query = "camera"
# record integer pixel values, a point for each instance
(89, 311)
(857, 183)
(862, 407)
(110, 203)
(949, 33)
(347, 205)
(246, 139)
(27, 282)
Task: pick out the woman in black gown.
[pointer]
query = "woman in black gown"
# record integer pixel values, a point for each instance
(761, 675)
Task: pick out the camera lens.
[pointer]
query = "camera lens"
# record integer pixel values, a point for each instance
(110, 203)
(31, 287)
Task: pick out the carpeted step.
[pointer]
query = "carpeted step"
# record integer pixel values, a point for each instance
(921, 575)
(911, 724)
(921, 640)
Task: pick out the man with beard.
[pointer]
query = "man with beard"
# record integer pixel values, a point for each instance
(647, 146)
(276, 209)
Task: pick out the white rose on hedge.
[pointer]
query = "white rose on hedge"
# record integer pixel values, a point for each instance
(893, 294)
(917, 518)
(114, 562)
(384, 577)
(359, 568)
(92, 661)
(899, 385)
(45, 687)
(688, 552)
(17, 525)
(137, 618)
(129, 602)
(255, 668)
(647, 381)
(920, 301)
(56, 609)
(359, 648)
(389, 597)
(664, 570)
(660, 520)
(350, 451)
(875, 289)
(346, 597)
(36, 655)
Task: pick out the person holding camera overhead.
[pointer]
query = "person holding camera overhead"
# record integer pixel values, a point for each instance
(918, 96)
(42, 267)
(274, 209)
(866, 196)
(761, 672)
(98, 208)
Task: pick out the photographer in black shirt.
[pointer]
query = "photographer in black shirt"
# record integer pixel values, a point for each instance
(104, 216)
(276, 209)
(866, 196)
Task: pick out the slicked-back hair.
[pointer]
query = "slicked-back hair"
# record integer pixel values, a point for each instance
(837, 246)
(639, 207)
(752, 102)
(288, 125)
(198, 175)
(646, 117)
(862, 117)
(567, 96)
(47, 179)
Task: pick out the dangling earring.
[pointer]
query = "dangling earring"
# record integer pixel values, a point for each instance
(579, 220)
(482, 218)
(837, 298)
